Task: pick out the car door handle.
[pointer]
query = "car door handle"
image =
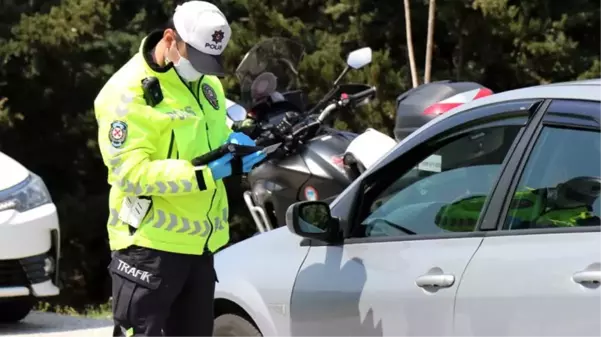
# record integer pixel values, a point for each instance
(587, 277)
(435, 281)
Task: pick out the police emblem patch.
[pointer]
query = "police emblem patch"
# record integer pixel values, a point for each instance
(118, 133)
(210, 95)
(217, 36)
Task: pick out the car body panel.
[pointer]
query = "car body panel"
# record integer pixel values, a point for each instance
(370, 289)
(529, 279)
(32, 227)
(248, 278)
(533, 271)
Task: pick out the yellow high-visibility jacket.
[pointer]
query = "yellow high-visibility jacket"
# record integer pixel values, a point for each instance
(147, 151)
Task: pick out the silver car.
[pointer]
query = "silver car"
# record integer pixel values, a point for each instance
(485, 221)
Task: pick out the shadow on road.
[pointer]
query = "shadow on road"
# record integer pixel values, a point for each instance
(38, 323)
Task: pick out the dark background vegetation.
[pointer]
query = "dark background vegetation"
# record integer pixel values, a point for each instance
(55, 55)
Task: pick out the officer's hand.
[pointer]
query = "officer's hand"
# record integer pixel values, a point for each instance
(240, 139)
(251, 160)
(222, 167)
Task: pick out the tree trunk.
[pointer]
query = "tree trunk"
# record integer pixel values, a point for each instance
(460, 55)
(430, 40)
(414, 78)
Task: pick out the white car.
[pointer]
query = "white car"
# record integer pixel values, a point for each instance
(483, 222)
(29, 241)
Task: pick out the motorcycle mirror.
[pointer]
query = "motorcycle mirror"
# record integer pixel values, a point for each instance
(235, 111)
(356, 59)
(359, 58)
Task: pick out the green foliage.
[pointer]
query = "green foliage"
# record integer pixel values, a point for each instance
(56, 54)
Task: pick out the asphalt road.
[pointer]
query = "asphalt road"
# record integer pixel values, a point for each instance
(39, 324)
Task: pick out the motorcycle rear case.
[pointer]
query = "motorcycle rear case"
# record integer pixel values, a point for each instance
(412, 103)
(278, 184)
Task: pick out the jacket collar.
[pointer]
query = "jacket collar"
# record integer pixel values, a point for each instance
(146, 48)
(166, 74)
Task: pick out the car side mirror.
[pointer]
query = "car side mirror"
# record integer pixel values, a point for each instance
(359, 58)
(313, 220)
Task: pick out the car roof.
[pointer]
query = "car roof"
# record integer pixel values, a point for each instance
(589, 90)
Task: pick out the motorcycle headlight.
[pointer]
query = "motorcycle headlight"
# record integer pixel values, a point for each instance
(25, 196)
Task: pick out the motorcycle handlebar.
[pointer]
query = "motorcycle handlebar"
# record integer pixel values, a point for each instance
(326, 111)
(345, 100)
(305, 128)
(358, 97)
(348, 100)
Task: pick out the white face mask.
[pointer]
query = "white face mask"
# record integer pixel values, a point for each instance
(185, 69)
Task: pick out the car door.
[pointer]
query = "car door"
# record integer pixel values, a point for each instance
(411, 233)
(538, 274)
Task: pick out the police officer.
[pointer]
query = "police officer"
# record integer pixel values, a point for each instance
(161, 110)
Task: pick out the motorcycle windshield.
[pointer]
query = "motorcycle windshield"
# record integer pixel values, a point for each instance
(269, 66)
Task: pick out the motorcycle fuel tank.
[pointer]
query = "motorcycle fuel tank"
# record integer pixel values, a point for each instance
(323, 157)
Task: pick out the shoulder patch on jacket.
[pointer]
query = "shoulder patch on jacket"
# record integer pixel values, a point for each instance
(118, 133)
(210, 95)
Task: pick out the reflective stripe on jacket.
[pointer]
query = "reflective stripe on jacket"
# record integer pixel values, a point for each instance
(147, 151)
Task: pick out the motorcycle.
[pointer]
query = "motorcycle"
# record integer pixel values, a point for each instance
(306, 158)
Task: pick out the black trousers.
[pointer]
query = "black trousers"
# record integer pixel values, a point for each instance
(157, 293)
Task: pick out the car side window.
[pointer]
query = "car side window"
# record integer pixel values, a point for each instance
(560, 183)
(444, 192)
